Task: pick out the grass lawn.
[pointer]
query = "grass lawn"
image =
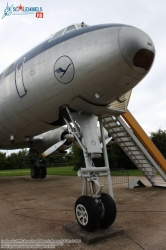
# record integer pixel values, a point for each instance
(50, 171)
(14, 172)
(67, 171)
(133, 172)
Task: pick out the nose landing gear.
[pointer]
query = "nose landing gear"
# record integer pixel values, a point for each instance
(94, 208)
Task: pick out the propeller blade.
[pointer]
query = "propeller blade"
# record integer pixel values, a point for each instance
(53, 148)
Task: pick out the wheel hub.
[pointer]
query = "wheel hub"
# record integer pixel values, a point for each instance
(82, 214)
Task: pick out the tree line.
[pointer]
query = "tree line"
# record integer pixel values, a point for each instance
(117, 158)
(21, 160)
(12, 161)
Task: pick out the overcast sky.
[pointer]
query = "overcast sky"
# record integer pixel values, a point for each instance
(19, 34)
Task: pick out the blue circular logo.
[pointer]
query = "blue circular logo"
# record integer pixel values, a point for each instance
(64, 69)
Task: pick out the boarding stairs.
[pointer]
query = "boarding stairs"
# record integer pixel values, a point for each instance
(128, 134)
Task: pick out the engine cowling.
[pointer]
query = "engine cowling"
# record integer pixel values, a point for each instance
(48, 139)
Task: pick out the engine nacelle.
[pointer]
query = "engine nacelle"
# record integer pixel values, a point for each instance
(48, 139)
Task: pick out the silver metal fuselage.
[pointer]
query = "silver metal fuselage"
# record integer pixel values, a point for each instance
(94, 65)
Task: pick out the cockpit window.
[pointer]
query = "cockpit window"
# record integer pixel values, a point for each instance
(70, 28)
(59, 33)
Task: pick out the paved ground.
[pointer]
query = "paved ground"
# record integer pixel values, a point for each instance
(38, 209)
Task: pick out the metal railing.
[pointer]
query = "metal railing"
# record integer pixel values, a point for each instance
(117, 176)
(120, 177)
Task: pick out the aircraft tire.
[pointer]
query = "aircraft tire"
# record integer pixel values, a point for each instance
(109, 210)
(42, 172)
(88, 213)
(34, 172)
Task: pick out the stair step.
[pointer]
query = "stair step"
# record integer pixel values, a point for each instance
(156, 184)
(149, 171)
(108, 122)
(130, 148)
(146, 168)
(150, 174)
(142, 160)
(118, 131)
(123, 136)
(127, 141)
(135, 153)
(159, 179)
(116, 126)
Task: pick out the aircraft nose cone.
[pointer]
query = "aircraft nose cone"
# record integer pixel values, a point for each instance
(137, 49)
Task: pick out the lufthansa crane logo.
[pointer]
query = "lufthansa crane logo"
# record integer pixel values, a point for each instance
(64, 69)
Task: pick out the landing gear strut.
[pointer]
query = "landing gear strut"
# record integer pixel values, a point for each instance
(38, 170)
(94, 208)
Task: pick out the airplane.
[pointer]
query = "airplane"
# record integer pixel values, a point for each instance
(73, 78)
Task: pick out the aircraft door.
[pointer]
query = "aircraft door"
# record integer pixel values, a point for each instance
(19, 80)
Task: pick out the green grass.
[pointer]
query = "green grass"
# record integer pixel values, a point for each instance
(133, 172)
(15, 172)
(66, 171)
(50, 171)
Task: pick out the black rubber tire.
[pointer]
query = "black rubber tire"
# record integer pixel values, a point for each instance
(34, 172)
(109, 210)
(91, 219)
(42, 172)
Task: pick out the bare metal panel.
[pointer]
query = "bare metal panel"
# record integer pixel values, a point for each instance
(94, 71)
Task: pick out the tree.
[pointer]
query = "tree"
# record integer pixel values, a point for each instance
(22, 158)
(118, 158)
(77, 156)
(159, 139)
(13, 161)
(3, 164)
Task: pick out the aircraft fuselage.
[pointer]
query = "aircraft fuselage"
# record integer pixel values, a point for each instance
(94, 65)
